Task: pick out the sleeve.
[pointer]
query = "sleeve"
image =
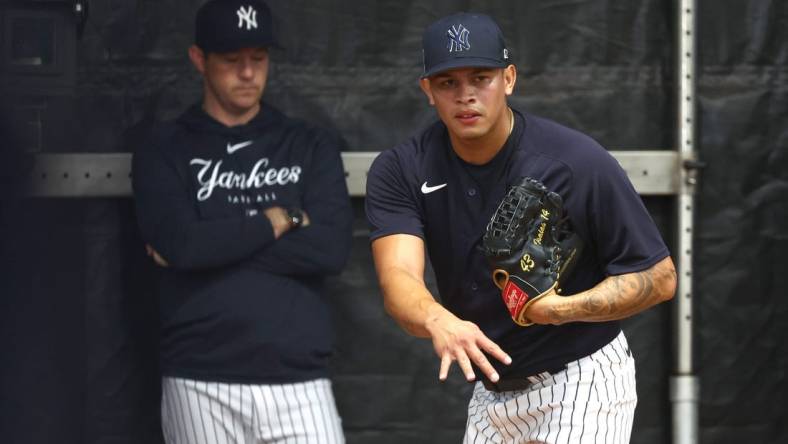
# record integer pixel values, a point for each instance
(389, 206)
(614, 219)
(323, 247)
(169, 222)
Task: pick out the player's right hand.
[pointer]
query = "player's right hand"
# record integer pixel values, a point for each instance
(457, 340)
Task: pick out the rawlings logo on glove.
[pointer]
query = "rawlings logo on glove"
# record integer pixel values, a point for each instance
(530, 246)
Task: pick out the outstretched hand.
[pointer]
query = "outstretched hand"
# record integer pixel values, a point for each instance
(457, 340)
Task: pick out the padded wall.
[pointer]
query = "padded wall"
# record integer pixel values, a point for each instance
(78, 317)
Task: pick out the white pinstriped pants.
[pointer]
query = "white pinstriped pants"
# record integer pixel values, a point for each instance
(591, 401)
(197, 412)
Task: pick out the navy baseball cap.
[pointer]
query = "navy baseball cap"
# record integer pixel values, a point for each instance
(463, 40)
(229, 25)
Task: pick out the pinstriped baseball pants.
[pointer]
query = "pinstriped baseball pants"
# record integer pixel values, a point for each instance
(197, 412)
(591, 401)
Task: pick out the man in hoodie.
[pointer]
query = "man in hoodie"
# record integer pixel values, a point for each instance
(237, 204)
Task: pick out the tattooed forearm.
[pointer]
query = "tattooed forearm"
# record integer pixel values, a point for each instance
(621, 296)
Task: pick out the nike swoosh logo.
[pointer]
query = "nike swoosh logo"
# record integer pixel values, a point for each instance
(427, 189)
(233, 148)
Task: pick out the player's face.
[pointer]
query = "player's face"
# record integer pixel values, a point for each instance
(234, 80)
(471, 101)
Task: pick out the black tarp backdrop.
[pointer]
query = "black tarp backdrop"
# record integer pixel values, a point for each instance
(78, 309)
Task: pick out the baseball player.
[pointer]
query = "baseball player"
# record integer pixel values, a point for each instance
(570, 378)
(236, 201)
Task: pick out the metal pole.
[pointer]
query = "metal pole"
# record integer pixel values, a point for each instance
(684, 384)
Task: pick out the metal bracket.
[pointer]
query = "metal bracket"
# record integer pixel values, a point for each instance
(693, 167)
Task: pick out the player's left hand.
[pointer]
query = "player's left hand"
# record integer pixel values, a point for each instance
(531, 249)
(156, 256)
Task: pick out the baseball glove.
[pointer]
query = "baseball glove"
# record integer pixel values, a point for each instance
(530, 246)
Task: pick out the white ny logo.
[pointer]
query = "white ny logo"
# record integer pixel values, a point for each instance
(458, 39)
(249, 16)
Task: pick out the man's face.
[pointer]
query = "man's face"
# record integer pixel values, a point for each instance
(470, 101)
(233, 80)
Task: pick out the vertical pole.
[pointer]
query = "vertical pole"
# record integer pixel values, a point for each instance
(684, 386)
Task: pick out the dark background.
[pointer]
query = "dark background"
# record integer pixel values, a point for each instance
(77, 307)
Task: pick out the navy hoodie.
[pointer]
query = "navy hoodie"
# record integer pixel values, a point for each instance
(236, 305)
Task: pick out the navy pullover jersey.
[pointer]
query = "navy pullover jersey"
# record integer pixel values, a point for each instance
(423, 188)
(235, 304)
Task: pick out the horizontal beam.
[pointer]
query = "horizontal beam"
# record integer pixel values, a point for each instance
(109, 174)
(651, 172)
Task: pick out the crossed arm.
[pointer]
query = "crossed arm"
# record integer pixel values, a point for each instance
(277, 216)
(399, 261)
(180, 238)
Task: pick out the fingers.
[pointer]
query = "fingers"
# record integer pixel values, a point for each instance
(156, 256)
(280, 222)
(445, 364)
(467, 356)
(495, 351)
(462, 361)
(464, 342)
(160, 260)
(466, 367)
(484, 365)
(487, 368)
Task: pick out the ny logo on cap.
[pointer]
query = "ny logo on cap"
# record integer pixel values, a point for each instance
(458, 39)
(247, 15)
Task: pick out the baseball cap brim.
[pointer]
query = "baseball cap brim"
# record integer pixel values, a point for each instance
(230, 46)
(464, 62)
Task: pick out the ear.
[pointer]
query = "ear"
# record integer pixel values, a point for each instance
(427, 88)
(197, 56)
(509, 79)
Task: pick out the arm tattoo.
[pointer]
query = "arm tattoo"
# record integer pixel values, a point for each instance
(621, 296)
